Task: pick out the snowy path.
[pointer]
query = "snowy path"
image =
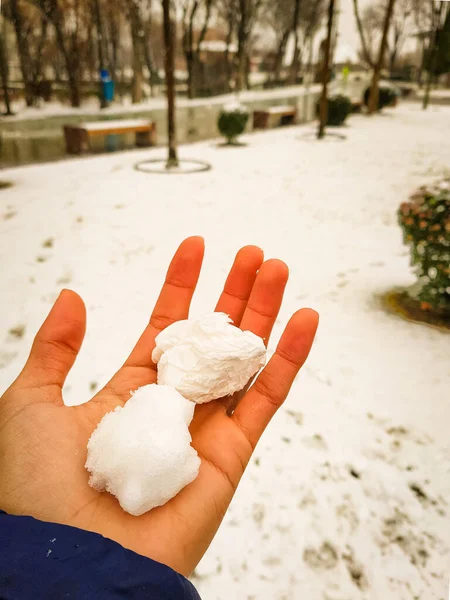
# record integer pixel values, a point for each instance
(348, 495)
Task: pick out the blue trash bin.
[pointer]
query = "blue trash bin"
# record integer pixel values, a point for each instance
(107, 85)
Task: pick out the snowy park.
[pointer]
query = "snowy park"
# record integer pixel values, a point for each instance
(347, 495)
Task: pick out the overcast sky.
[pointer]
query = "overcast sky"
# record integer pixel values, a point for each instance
(347, 28)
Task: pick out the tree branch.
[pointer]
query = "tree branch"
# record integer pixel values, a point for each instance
(362, 36)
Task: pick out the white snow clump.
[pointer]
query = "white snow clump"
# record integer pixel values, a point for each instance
(141, 452)
(207, 358)
(235, 107)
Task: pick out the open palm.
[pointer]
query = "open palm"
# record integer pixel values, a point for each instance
(43, 443)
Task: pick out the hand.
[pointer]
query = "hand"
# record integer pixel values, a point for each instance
(43, 443)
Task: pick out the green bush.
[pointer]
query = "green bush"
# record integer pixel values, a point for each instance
(232, 122)
(339, 107)
(387, 97)
(425, 221)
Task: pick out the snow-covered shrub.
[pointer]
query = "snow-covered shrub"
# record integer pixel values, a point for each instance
(232, 121)
(339, 107)
(425, 220)
(387, 97)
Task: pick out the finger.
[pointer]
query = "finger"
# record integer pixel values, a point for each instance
(265, 300)
(261, 312)
(272, 386)
(57, 342)
(239, 283)
(174, 300)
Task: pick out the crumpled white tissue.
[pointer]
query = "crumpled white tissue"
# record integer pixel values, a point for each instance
(207, 358)
(141, 453)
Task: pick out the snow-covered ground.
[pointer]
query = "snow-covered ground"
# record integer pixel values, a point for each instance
(348, 495)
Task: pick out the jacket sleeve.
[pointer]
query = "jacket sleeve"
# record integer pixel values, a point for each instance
(47, 561)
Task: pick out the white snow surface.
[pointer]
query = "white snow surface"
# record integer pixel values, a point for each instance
(141, 452)
(207, 358)
(118, 124)
(373, 397)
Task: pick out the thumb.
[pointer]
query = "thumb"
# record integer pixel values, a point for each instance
(57, 342)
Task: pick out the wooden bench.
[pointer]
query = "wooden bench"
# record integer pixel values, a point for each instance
(78, 137)
(274, 117)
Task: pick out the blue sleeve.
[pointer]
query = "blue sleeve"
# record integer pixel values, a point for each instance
(47, 561)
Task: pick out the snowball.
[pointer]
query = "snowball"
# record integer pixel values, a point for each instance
(141, 453)
(207, 358)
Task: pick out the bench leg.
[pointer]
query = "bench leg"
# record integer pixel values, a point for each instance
(77, 140)
(146, 138)
(72, 137)
(142, 139)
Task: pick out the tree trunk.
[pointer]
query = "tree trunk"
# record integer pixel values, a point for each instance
(71, 60)
(323, 110)
(241, 75)
(281, 51)
(422, 64)
(37, 64)
(362, 37)
(308, 78)
(74, 82)
(149, 58)
(4, 74)
(190, 65)
(392, 61)
(197, 71)
(295, 65)
(169, 44)
(433, 57)
(374, 90)
(142, 44)
(188, 47)
(228, 63)
(136, 29)
(100, 48)
(112, 43)
(23, 50)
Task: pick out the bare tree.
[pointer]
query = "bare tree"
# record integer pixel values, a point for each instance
(312, 15)
(370, 27)
(169, 44)
(139, 16)
(423, 18)
(227, 11)
(295, 65)
(196, 19)
(278, 17)
(366, 52)
(400, 28)
(323, 107)
(112, 31)
(433, 49)
(147, 41)
(134, 20)
(31, 29)
(247, 15)
(100, 45)
(15, 11)
(374, 89)
(70, 21)
(4, 70)
(40, 32)
(281, 16)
